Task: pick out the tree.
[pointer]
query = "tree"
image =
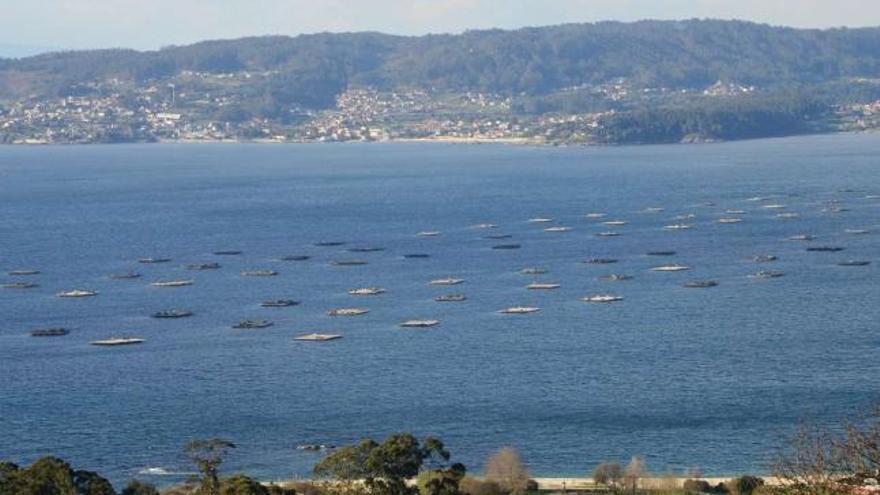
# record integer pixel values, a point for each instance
(9, 482)
(207, 456)
(46, 476)
(386, 467)
(507, 469)
(608, 474)
(136, 487)
(346, 463)
(242, 485)
(91, 483)
(634, 471)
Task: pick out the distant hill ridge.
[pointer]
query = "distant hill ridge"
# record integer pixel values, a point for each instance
(310, 70)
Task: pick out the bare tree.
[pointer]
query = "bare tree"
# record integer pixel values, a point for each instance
(859, 448)
(506, 468)
(634, 471)
(608, 474)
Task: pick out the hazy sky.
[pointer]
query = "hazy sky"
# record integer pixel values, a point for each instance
(149, 24)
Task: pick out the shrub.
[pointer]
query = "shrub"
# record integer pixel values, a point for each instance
(473, 486)
(697, 486)
(135, 487)
(744, 485)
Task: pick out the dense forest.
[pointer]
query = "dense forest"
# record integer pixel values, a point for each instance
(311, 70)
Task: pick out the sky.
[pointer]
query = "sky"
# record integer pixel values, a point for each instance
(150, 24)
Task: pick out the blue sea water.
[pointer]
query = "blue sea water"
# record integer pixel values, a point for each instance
(687, 378)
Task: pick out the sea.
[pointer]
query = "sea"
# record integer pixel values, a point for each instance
(712, 379)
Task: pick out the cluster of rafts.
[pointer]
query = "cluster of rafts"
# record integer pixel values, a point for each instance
(732, 217)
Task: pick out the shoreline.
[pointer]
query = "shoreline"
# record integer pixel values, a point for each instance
(586, 483)
(524, 142)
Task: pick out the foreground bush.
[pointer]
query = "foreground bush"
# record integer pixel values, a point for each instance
(474, 486)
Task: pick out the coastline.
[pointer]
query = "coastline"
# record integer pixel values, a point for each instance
(586, 483)
(524, 142)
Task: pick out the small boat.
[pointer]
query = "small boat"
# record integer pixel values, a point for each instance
(596, 215)
(150, 261)
(446, 281)
(607, 234)
(825, 249)
(602, 298)
(857, 231)
(503, 247)
(77, 293)
(670, 268)
(49, 332)
(519, 310)
(429, 233)
(172, 313)
(661, 253)
(558, 229)
(540, 220)
(348, 262)
(259, 273)
(416, 256)
(451, 298)
(542, 286)
(533, 271)
(763, 274)
(347, 312)
(700, 284)
(295, 257)
(227, 253)
(20, 285)
(279, 303)
(729, 220)
(125, 276)
(801, 237)
(600, 261)
(498, 236)
(614, 278)
(774, 206)
(367, 291)
(315, 337)
(252, 324)
(173, 283)
(365, 249)
(420, 323)
(116, 341)
(20, 273)
(615, 223)
(485, 226)
(764, 258)
(202, 266)
(678, 226)
(854, 263)
(329, 243)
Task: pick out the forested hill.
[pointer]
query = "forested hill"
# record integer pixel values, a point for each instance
(310, 70)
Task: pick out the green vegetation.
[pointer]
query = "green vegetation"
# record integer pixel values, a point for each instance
(816, 461)
(717, 119)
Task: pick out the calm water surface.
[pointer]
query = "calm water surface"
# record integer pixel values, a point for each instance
(687, 378)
